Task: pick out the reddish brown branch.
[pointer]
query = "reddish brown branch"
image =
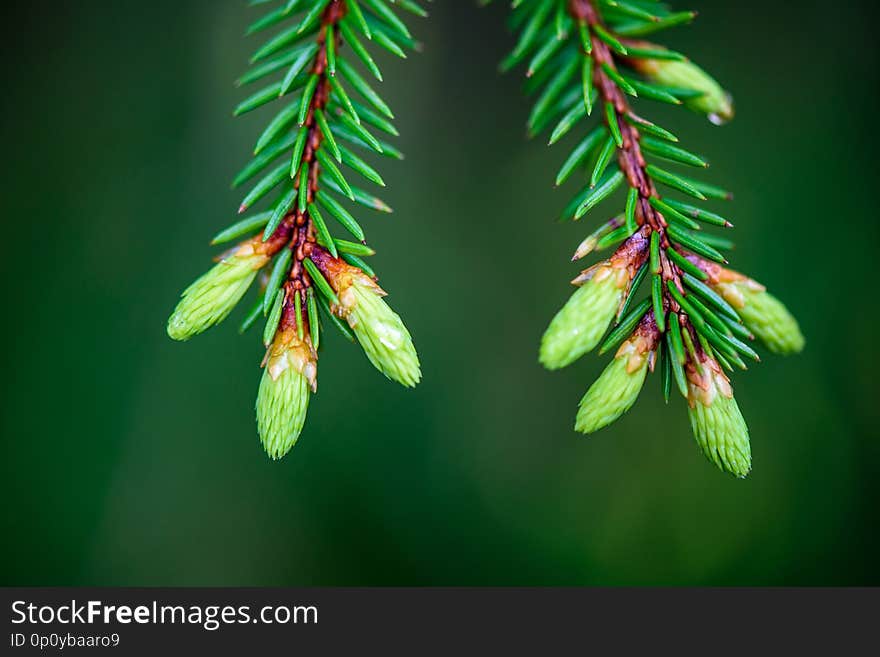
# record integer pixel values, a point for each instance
(629, 155)
(298, 223)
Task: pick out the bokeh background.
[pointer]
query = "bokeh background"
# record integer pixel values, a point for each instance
(133, 460)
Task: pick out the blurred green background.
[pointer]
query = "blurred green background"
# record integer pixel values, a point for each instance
(133, 460)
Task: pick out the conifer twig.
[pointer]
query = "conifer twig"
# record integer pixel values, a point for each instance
(303, 153)
(587, 56)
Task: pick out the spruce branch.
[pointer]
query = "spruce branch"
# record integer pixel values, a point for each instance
(699, 318)
(304, 156)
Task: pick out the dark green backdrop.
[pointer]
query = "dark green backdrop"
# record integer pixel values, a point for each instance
(129, 459)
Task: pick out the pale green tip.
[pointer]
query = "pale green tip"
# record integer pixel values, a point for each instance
(282, 404)
(580, 324)
(722, 434)
(382, 335)
(770, 321)
(611, 395)
(210, 299)
(714, 101)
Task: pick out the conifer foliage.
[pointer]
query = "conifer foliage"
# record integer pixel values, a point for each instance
(319, 56)
(696, 319)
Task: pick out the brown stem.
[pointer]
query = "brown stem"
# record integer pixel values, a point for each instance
(629, 155)
(298, 224)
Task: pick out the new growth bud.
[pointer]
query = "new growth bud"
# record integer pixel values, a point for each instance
(580, 324)
(716, 420)
(210, 299)
(380, 331)
(289, 376)
(765, 316)
(578, 327)
(618, 387)
(713, 100)
(761, 312)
